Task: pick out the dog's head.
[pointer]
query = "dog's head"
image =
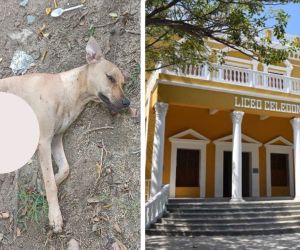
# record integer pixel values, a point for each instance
(105, 80)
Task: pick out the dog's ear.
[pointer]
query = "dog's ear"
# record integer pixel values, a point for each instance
(93, 51)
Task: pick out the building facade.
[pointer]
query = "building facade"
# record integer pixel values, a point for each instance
(231, 130)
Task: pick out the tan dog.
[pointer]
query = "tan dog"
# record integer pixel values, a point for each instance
(57, 100)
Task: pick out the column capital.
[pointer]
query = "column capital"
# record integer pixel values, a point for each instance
(237, 116)
(161, 108)
(295, 122)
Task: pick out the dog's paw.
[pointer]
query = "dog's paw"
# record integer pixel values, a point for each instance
(56, 221)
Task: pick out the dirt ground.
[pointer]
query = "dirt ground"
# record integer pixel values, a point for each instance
(97, 212)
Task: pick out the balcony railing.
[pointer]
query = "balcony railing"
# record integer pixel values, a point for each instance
(242, 77)
(155, 207)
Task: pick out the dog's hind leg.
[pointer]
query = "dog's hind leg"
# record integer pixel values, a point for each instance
(55, 217)
(60, 159)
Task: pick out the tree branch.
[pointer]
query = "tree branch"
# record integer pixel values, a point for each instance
(162, 8)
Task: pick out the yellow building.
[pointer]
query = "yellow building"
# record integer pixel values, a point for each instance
(232, 131)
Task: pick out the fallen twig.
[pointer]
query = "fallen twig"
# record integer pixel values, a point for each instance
(95, 129)
(133, 32)
(103, 25)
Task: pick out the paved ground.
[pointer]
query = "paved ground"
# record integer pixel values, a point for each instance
(284, 241)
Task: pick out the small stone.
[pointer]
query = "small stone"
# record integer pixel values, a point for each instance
(30, 19)
(93, 200)
(4, 215)
(117, 228)
(95, 228)
(23, 3)
(96, 219)
(73, 245)
(20, 36)
(17, 24)
(20, 62)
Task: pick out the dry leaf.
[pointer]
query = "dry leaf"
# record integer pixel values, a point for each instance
(18, 232)
(42, 29)
(117, 228)
(94, 228)
(98, 168)
(44, 55)
(48, 11)
(93, 200)
(4, 215)
(118, 246)
(55, 4)
(96, 219)
(113, 15)
(1, 236)
(82, 22)
(24, 211)
(83, 1)
(1, 59)
(107, 206)
(103, 218)
(133, 112)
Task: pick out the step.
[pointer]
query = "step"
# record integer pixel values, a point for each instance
(199, 209)
(208, 201)
(229, 226)
(226, 220)
(227, 205)
(237, 214)
(249, 231)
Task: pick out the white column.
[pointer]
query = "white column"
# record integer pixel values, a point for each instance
(158, 147)
(236, 195)
(296, 129)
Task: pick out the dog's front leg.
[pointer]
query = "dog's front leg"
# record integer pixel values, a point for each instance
(55, 218)
(60, 159)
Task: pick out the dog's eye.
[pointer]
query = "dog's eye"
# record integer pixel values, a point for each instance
(113, 80)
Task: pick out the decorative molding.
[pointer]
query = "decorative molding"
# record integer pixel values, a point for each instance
(237, 116)
(245, 138)
(189, 132)
(230, 91)
(161, 108)
(279, 138)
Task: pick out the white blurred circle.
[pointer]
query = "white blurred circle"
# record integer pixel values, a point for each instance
(19, 132)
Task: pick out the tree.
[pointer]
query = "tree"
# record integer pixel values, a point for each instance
(176, 30)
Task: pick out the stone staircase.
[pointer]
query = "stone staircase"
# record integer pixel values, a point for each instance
(194, 217)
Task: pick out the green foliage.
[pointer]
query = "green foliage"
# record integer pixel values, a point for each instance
(32, 207)
(176, 30)
(92, 30)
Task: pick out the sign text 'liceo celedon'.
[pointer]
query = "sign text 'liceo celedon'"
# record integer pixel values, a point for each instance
(268, 105)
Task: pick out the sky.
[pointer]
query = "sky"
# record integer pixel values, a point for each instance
(293, 10)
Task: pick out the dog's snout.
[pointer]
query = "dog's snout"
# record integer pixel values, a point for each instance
(125, 102)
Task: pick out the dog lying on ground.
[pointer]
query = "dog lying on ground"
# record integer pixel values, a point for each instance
(57, 100)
